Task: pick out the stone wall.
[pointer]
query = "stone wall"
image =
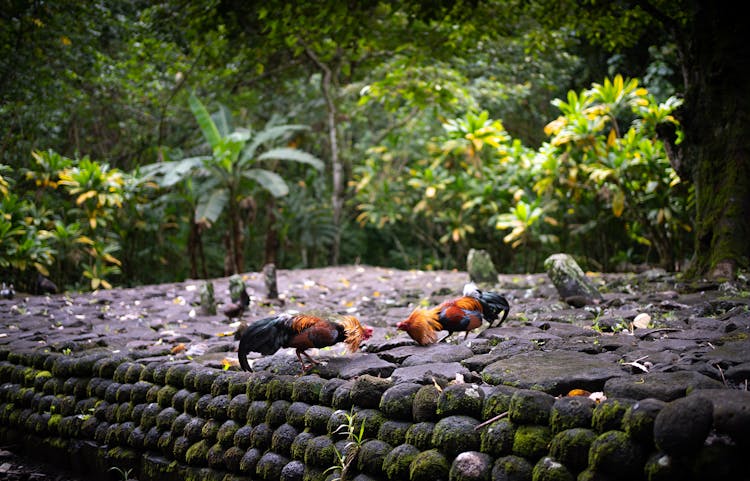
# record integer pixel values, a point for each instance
(182, 421)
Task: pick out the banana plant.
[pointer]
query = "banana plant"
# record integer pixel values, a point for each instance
(232, 174)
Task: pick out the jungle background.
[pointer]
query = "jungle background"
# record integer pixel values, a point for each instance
(148, 142)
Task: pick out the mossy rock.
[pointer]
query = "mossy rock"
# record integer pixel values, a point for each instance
(148, 418)
(88, 427)
(638, 421)
(219, 406)
(257, 411)
(250, 460)
(93, 387)
(549, 469)
(396, 402)
(164, 398)
(661, 466)
(396, 463)
(460, 399)
(153, 394)
(151, 439)
(430, 465)
(371, 455)
(191, 403)
(121, 372)
(203, 379)
(270, 465)
(193, 429)
(615, 454)
(293, 471)
(295, 415)
(299, 445)
(497, 438)
(53, 385)
(140, 391)
(320, 452)
(372, 420)
(243, 436)
(261, 436)
(84, 365)
(180, 448)
(110, 394)
(134, 372)
(215, 456)
(338, 422)
(210, 430)
(238, 384)
(159, 373)
(328, 389)
(179, 423)
(137, 437)
(196, 454)
(424, 407)
(609, 413)
(342, 396)
(455, 434)
(471, 466)
(276, 415)
(531, 441)
(148, 373)
(681, 428)
(124, 412)
(316, 418)
(530, 407)
(202, 406)
(175, 375)
(420, 435)
(220, 386)
(166, 417)
(511, 468)
(232, 459)
(367, 390)
(571, 412)
(282, 439)
(238, 406)
(393, 432)
(280, 387)
(257, 385)
(307, 389)
(227, 430)
(571, 447)
(63, 367)
(166, 443)
(64, 405)
(70, 426)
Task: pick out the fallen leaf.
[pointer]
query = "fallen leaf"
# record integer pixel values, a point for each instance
(642, 320)
(178, 348)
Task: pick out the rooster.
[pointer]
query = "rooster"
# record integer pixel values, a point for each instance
(302, 332)
(465, 313)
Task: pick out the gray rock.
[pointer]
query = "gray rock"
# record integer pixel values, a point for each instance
(736, 352)
(666, 386)
(436, 353)
(554, 372)
(572, 284)
(424, 373)
(480, 267)
(731, 410)
(683, 425)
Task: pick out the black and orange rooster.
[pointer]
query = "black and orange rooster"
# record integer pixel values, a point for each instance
(455, 315)
(302, 332)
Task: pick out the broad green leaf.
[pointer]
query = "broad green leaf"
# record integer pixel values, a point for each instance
(295, 155)
(269, 134)
(270, 181)
(210, 207)
(207, 125)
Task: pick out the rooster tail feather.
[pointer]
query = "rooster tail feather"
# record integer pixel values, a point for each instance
(265, 336)
(492, 304)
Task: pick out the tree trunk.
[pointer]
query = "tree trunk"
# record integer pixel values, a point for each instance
(272, 233)
(716, 150)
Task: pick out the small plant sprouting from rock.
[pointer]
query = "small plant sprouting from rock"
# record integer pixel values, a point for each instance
(124, 473)
(355, 437)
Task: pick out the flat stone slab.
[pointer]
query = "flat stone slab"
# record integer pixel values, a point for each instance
(666, 386)
(555, 372)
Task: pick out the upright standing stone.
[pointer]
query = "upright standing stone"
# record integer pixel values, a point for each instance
(480, 267)
(269, 277)
(572, 284)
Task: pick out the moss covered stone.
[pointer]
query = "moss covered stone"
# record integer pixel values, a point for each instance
(215, 456)
(257, 411)
(455, 434)
(320, 452)
(420, 435)
(396, 463)
(179, 423)
(393, 432)
(140, 391)
(571, 412)
(511, 468)
(238, 383)
(153, 394)
(549, 469)
(370, 457)
(227, 430)
(166, 417)
(307, 389)
(464, 399)
(270, 465)
(175, 375)
(242, 438)
(202, 406)
(316, 418)
(338, 422)
(219, 406)
(531, 442)
(250, 460)
(571, 447)
(471, 466)
(166, 443)
(663, 467)
(203, 379)
(193, 429)
(282, 439)
(196, 454)
(222, 380)
(159, 373)
(148, 418)
(615, 454)
(110, 394)
(257, 385)
(232, 459)
(497, 438)
(367, 390)
(396, 402)
(530, 407)
(164, 398)
(638, 421)
(121, 372)
(293, 471)
(295, 414)
(280, 387)
(136, 438)
(276, 415)
(342, 396)
(261, 436)
(609, 413)
(372, 419)
(299, 445)
(430, 465)
(210, 430)
(424, 407)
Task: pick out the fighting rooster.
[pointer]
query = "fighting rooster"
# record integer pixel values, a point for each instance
(302, 332)
(455, 315)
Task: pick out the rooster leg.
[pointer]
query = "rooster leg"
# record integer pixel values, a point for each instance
(305, 367)
(445, 339)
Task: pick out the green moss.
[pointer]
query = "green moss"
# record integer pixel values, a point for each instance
(464, 399)
(396, 463)
(615, 453)
(297, 449)
(225, 435)
(316, 418)
(220, 386)
(370, 457)
(215, 456)
(280, 387)
(638, 421)
(53, 423)
(218, 407)
(238, 406)
(342, 396)
(210, 430)
(232, 458)
(276, 415)
(282, 439)
(261, 436)
(571, 447)
(393, 432)
(367, 390)
(548, 469)
(571, 412)
(429, 465)
(530, 407)
(455, 434)
(307, 389)
(420, 435)
(531, 442)
(662, 467)
(164, 398)
(203, 379)
(257, 411)
(511, 468)
(243, 436)
(196, 454)
(249, 461)
(497, 438)
(396, 402)
(425, 404)
(320, 452)
(608, 414)
(372, 420)
(295, 415)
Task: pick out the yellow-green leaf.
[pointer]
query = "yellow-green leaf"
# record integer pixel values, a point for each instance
(618, 203)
